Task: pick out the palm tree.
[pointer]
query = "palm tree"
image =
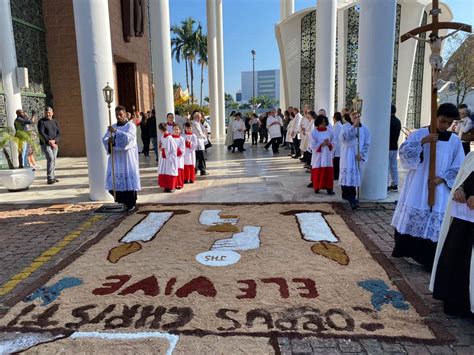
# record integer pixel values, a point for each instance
(202, 54)
(184, 46)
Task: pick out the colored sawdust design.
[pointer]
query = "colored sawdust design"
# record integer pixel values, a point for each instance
(147, 229)
(48, 294)
(277, 287)
(213, 217)
(223, 228)
(381, 295)
(118, 252)
(332, 252)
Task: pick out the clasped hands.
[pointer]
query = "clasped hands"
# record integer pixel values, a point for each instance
(460, 196)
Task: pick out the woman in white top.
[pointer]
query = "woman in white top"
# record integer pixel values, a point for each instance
(238, 129)
(337, 118)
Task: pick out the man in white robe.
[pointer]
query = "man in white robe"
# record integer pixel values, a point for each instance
(417, 226)
(352, 159)
(274, 124)
(122, 136)
(452, 279)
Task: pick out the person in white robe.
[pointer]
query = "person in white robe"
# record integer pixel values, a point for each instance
(170, 123)
(296, 134)
(452, 279)
(201, 136)
(337, 145)
(289, 133)
(352, 158)
(168, 161)
(180, 144)
(417, 225)
(191, 143)
(307, 127)
(274, 124)
(123, 136)
(238, 129)
(229, 138)
(322, 172)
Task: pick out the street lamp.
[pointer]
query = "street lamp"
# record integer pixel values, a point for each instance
(109, 98)
(253, 78)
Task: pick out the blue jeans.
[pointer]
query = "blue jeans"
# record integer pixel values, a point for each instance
(393, 167)
(50, 155)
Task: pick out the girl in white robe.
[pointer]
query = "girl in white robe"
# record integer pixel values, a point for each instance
(125, 149)
(168, 162)
(322, 172)
(417, 226)
(452, 279)
(180, 155)
(191, 143)
(350, 164)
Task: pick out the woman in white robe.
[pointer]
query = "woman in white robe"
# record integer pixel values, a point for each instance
(190, 144)
(417, 226)
(124, 144)
(452, 279)
(229, 138)
(168, 161)
(238, 129)
(351, 164)
(180, 144)
(322, 172)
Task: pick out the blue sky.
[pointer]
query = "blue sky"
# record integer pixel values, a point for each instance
(249, 24)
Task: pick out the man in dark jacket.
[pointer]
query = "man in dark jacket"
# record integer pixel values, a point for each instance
(152, 132)
(21, 124)
(395, 128)
(48, 129)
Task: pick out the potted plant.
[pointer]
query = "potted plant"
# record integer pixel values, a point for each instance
(15, 178)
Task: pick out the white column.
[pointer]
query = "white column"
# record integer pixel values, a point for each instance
(94, 54)
(220, 68)
(287, 7)
(326, 15)
(374, 83)
(161, 58)
(212, 67)
(8, 63)
(342, 64)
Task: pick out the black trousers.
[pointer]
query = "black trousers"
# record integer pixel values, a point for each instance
(200, 161)
(239, 144)
(254, 138)
(275, 143)
(419, 249)
(349, 193)
(335, 164)
(467, 147)
(297, 142)
(146, 145)
(128, 198)
(283, 134)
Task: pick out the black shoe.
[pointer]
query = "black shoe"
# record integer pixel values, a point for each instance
(316, 191)
(331, 192)
(393, 188)
(50, 182)
(191, 182)
(310, 185)
(203, 173)
(354, 205)
(56, 180)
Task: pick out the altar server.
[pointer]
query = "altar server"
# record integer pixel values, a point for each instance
(352, 160)
(453, 271)
(180, 144)
(322, 171)
(168, 162)
(189, 154)
(170, 123)
(417, 225)
(122, 135)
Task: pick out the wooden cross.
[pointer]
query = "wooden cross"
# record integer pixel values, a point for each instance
(436, 65)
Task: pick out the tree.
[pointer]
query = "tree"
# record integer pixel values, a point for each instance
(263, 102)
(184, 46)
(245, 106)
(202, 55)
(459, 68)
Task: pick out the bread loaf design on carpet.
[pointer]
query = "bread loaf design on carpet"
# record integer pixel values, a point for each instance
(117, 253)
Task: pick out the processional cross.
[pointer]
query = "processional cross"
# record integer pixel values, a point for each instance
(436, 62)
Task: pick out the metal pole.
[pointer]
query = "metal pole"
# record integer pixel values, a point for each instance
(112, 155)
(253, 80)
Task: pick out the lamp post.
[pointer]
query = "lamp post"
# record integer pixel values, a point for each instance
(357, 108)
(253, 78)
(109, 98)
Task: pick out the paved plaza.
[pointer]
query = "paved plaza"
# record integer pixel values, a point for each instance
(49, 228)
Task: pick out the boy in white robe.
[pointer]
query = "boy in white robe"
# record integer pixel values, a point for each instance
(452, 279)
(417, 226)
(170, 123)
(127, 174)
(191, 143)
(180, 155)
(351, 162)
(168, 162)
